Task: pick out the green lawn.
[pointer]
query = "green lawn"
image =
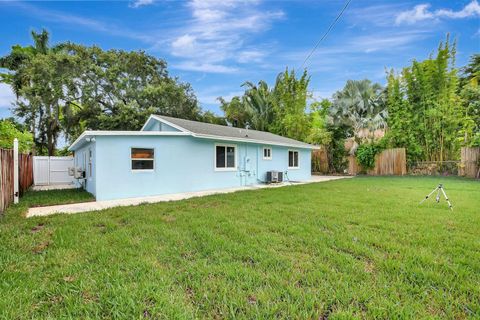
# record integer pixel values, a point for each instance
(361, 247)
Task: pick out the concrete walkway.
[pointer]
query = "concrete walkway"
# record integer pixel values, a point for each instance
(54, 187)
(100, 205)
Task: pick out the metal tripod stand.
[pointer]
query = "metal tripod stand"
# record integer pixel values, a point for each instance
(439, 190)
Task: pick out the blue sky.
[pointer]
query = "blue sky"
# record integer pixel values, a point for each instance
(218, 45)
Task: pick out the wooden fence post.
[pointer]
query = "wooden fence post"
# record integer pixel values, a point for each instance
(15, 171)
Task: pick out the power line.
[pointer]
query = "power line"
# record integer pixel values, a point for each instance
(326, 33)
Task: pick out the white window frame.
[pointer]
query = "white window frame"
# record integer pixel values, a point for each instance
(288, 159)
(267, 158)
(142, 170)
(215, 156)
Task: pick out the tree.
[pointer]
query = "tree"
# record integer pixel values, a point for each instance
(210, 117)
(291, 94)
(280, 110)
(470, 95)
(118, 90)
(255, 108)
(235, 111)
(9, 131)
(69, 88)
(39, 77)
(361, 106)
(423, 104)
(259, 104)
(319, 133)
(19, 63)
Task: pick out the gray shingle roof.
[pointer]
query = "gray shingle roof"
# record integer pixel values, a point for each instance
(202, 128)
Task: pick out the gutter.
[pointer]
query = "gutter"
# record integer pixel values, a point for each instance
(195, 135)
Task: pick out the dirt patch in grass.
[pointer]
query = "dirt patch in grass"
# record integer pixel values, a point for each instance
(37, 228)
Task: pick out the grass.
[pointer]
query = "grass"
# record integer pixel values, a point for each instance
(359, 248)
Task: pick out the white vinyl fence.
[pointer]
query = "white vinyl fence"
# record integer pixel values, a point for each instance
(51, 170)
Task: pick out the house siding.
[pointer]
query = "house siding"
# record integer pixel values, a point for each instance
(182, 164)
(81, 155)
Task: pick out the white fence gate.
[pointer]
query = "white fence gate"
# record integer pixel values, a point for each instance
(51, 170)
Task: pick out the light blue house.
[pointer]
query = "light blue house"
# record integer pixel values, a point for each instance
(171, 155)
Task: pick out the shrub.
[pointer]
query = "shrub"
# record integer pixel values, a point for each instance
(366, 153)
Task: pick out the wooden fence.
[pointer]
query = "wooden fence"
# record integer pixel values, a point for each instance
(470, 163)
(388, 162)
(25, 172)
(25, 164)
(320, 160)
(6, 178)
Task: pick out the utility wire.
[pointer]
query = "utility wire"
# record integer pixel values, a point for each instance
(326, 33)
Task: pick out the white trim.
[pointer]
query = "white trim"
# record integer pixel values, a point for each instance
(182, 132)
(125, 133)
(223, 138)
(158, 118)
(298, 159)
(263, 153)
(148, 159)
(215, 157)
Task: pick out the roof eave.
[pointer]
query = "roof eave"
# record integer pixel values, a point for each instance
(224, 138)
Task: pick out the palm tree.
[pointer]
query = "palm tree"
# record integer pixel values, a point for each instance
(19, 63)
(17, 78)
(361, 106)
(258, 102)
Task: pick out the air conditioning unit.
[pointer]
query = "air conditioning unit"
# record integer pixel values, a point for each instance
(274, 176)
(79, 173)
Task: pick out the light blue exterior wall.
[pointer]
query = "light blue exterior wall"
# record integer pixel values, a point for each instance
(81, 160)
(182, 164)
(154, 125)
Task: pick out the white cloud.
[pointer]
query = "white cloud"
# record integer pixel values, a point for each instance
(204, 67)
(218, 33)
(418, 13)
(141, 3)
(249, 56)
(7, 97)
(422, 12)
(386, 41)
(211, 96)
(470, 10)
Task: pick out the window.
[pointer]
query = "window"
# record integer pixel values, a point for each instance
(292, 159)
(142, 159)
(225, 157)
(267, 153)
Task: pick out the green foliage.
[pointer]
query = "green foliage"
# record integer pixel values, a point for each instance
(360, 106)
(290, 105)
(319, 133)
(9, 131)
(424, 109)
(281, 110)
(366, 153)
(469, 135)
(69, 88)
(235, 112)
(337, 161)
(210, 117)
(118, 90)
